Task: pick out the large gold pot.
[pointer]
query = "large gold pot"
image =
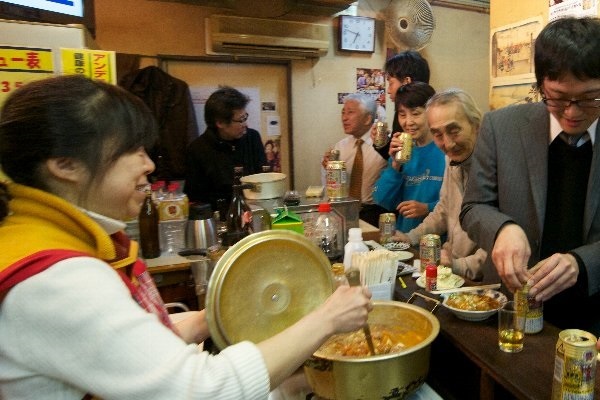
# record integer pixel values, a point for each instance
(387, 376)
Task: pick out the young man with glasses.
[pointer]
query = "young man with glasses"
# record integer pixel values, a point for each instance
(226, 143)
(533, 197)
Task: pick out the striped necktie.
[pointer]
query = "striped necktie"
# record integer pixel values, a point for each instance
(357, 172)
(575, 140)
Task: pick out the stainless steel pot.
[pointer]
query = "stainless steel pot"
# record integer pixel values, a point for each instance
(387, 376)
(268, 185)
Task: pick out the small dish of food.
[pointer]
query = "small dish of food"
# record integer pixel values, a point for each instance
(397, 246)
(477, 305)
(445, 279)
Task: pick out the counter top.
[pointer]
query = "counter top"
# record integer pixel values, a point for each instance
(524, 375)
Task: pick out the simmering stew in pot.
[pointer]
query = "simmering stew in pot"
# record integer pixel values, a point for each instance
(386, 339)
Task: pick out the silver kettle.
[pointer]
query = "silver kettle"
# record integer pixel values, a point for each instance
(201, 230)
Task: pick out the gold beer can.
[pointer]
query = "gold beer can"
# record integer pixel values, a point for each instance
(430, 250)
(336, 180)
(574, 365)
(387, 227)
(403, 156)
(381, 134)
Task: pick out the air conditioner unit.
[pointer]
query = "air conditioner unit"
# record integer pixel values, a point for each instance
(226, 34)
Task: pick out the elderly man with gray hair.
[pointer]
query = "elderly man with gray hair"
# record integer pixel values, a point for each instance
(363, 164)
(454, 121)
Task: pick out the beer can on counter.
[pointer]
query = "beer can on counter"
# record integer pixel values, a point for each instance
(381, 134)
(387, 227)
(336, 180)
(430, 250)
(403, 156)
(574, 366)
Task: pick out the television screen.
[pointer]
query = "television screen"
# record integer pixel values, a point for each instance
(50, 11)
(69, 7)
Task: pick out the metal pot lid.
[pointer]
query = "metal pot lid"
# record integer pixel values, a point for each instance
(263, 284)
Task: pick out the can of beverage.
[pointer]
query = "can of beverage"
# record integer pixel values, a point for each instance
(381, 134)
(387, 227)
(336, 180)
(430, 249)
(334, 155)
(430, 277)
(530, 309)
(574, 365)
(403, 156)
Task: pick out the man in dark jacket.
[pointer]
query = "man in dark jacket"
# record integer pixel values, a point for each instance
(226, 143)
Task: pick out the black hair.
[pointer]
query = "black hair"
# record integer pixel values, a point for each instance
(410, 64)
(413, 95)
(568, 45)
(70, 116)
(222, 103)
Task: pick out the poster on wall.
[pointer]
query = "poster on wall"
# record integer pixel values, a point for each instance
(20, 65)
(572, 8)
(502, 96)
(95, 64)
(371, 81)
(511, 52)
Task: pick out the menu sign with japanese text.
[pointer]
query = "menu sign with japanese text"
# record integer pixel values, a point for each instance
(20, 65)
(95, 64)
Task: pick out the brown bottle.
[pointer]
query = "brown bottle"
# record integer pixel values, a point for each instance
(239, 215)
(148, 220)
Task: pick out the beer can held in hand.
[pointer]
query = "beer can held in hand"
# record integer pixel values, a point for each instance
(381, 134)
(403, 156)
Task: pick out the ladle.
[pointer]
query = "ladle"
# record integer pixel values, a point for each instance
(353, 276)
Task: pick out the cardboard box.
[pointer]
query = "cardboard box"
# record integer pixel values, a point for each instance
(289, 220)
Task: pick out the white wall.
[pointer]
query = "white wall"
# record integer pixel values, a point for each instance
(458, 57)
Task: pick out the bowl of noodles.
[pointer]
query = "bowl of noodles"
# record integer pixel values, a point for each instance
(477, 305)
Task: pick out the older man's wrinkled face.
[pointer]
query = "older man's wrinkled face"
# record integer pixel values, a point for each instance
(356, 120)
(452, 132)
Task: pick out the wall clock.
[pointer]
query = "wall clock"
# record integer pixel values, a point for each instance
(356, 34)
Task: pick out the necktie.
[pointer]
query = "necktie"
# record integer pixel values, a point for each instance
(573, 140)
(357, 172)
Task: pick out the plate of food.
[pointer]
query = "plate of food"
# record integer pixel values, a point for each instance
(445, 279)
(477, 305)
(397, 246)
(403, 255)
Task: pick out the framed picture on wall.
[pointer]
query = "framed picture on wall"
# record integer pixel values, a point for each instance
(511, 52)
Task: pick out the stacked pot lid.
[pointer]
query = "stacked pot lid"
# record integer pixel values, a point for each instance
(263, 284)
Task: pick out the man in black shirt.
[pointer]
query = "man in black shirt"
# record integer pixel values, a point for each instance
(226, 143)
(401, 69)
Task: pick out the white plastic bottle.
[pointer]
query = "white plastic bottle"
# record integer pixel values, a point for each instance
(355, 245)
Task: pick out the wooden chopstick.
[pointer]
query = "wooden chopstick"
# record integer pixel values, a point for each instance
(467, 289)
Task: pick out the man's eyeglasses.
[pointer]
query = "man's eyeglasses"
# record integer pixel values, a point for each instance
(243, 119)
(563, 103)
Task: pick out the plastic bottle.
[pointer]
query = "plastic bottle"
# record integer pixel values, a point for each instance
(239, 215)
(327, 232)
(173, 213)
(339, 275)
(355, 245)
(148, 227)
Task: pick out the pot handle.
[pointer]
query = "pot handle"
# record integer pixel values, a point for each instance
(255, 187)
(426, 298)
